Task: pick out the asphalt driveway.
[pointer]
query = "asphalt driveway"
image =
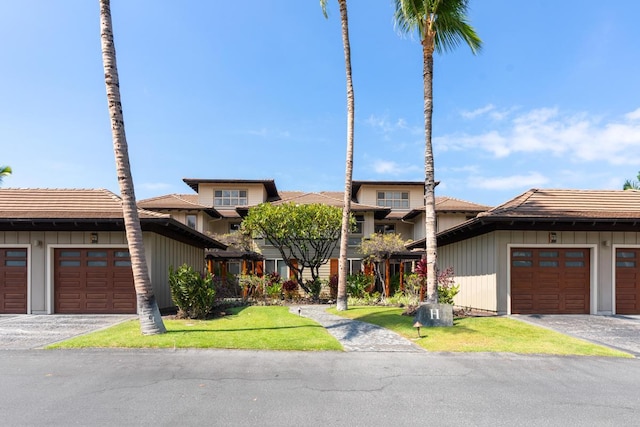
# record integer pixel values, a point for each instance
(620, 332)
(27, 331)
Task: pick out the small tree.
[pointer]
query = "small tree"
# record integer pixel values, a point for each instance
(305, 235)
(379, 247)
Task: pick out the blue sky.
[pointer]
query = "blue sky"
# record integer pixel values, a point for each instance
(256, 89)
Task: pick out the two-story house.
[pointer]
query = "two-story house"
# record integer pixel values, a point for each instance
(218, 206)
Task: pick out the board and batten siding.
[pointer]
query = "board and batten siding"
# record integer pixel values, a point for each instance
(481, 264)
(475, 269)
(162, 253)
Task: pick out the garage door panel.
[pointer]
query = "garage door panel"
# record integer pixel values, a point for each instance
(558, 280)
(627, 281)
(13, 281)
(97, 285)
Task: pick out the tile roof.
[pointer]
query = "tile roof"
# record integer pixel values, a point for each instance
(41, 209)
(570, 204)
(451, 204)
(331, 198)
(23, 203)
(172, 201)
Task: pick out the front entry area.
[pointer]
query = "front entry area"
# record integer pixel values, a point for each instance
(13, 280)
(550, 280)
(628, 281)
(93, 281)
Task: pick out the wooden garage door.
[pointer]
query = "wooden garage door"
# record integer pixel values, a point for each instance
(550, 281)
(13, 280)
(93, 281)
(628, 281)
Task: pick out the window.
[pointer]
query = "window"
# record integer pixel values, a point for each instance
(277, 266)
(355, 266)
(384, 228)
(233, 267)
(393, 199)
(359, 224)
(234, 226)
(230, 198)
(192, 221)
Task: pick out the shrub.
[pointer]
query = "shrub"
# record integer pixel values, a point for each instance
(447, 289)
(290, 289)
(357, 284)
(314, 286)
(192, 292)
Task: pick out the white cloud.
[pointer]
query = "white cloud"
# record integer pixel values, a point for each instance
(477, 112)
(385, 125)
(575, 137)
(387, 167)
(530, 180)
(634, 115)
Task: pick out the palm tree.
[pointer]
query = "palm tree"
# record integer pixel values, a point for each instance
(4, 171)
(632, 185)
(441, 25)
(148, 312)
(341, 300)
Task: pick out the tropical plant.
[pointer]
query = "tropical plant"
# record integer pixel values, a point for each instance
(148, 311)
(4, 171)
(628, 184)
(305, 235)
(343, 268)
(290, 289)
(447, 288)
(441, 25)
(357, 284)
(192, 292)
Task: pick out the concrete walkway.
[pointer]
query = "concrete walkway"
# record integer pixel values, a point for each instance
(355, 335)
(29, 331)
(619, 332)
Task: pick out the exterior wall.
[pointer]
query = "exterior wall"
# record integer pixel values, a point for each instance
(449, 220)
(472, 266)
(256, 193)
(368, 194)
(160, 252)
(475, 268)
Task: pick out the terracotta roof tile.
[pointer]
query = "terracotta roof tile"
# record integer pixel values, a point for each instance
(172, 201)
(568, 204)
(64, 204)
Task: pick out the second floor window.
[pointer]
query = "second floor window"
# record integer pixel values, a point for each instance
(384, 228)
(393, 199)
(230, 198)
(192, 221)
(359, 224)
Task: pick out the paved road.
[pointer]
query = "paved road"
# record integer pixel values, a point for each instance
(263, 388)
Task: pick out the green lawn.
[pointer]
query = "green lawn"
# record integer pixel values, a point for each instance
(263, 328)
(480, 334)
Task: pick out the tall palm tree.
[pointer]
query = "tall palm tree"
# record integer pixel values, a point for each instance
(343, 269)
(4, 171)
(148, 312)
(441, 25)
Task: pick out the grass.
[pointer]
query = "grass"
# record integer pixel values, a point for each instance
(481, 334)
(261, 328)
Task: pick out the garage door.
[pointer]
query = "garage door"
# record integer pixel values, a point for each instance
(550, 281)
(13, 280)
(93, 281)
(627, 281)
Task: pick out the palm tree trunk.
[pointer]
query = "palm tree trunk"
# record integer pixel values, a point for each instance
(148, 312)
(341, 303)
(429, 172)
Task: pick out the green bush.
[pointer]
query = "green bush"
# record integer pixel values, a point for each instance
(357, 285)
(314, 286)
(192, 292)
